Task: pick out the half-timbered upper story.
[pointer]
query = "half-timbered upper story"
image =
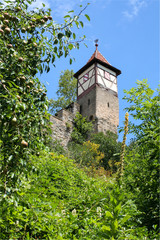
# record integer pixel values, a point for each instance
(97, 71)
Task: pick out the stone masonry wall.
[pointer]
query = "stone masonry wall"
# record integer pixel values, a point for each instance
(99, 105)
(88, 104)
(60, 131)
(107, 110)
(62, 124)
(102, 106)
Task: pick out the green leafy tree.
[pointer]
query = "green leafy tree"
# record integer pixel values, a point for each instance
(66, 92)
(110, 147)
(29, 42)
(142, 161)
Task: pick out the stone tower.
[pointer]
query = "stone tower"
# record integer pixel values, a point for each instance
(97, 93)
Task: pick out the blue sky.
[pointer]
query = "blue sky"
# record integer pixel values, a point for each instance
(128, 33)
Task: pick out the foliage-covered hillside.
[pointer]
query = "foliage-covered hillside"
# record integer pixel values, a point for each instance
(59, 201)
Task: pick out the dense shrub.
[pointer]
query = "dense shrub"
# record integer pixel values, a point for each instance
(111, 148)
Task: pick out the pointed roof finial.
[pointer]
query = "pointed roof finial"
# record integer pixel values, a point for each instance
(96, 43)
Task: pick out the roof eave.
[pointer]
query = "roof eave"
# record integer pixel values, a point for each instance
(95, 60)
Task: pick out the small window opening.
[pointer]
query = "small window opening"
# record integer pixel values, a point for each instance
(89, 102)
(80, 110)
(108, 104)
(91, 118)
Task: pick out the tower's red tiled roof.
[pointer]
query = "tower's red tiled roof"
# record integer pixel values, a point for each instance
(98, 56)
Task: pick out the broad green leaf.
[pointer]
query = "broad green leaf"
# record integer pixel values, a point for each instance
(117, 209)
(81, 24)
(70, 61)
(106, 228)
(71, 11)
(88, 18)
(74, 36)
(125, 219)
(115, 223)
(109, 214)
(67, 16)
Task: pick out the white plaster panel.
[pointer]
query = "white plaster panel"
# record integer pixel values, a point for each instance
(101, 72)
(92, 81)
(111, 85)
(114, 87)
(85, 85)
(81, 81)
(91, 73)
(106, 69)
(107, 84)
(80, 90)
(100, 81)
(86, 71)
(113, 79)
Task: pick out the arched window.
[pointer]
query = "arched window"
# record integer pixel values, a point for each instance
(89, 102)
(108, 104)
